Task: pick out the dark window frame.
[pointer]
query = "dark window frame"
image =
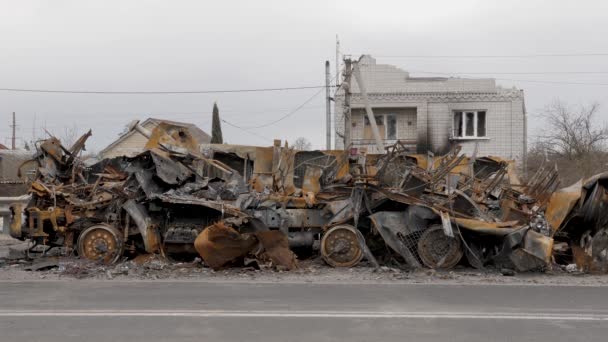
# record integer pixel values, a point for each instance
(469, 124)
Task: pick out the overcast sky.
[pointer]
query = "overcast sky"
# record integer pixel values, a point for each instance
(213, 45)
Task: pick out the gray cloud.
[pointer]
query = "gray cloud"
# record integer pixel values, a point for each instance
(198, 45)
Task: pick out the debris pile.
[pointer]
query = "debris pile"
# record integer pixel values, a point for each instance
(236, 205)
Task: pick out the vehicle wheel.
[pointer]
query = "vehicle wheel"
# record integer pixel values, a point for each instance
(340, 246)
(100, 242)
(436, 250)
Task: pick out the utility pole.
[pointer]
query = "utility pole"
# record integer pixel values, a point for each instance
(337, 62)
(13, 126)
(346, 110)
(34, 129)
(327, 108)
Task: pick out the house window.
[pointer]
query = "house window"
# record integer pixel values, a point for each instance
(391, 126)
(469, 124)
(387, 125)
(379, 120)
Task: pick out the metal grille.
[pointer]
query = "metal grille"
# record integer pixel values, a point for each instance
(411, 241)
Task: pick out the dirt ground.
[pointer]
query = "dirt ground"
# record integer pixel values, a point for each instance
(152, 268)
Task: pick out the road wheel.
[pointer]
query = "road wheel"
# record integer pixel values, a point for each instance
(100, 242)
(340, 246)
(436, 250)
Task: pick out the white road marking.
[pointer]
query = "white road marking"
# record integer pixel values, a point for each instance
(306, 314)
(356, 282)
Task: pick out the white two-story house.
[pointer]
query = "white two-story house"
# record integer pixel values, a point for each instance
(434, 113)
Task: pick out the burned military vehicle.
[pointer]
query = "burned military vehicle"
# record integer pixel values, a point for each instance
(227, 201)
(160, 200)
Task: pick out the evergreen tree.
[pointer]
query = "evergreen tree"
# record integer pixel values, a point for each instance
(216, 127)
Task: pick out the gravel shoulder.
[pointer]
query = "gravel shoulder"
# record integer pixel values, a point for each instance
(150, 268)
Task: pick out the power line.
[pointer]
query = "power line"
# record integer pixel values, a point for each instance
(110, 118)
(459, 73)
(519, 80)
(245, 130)
(599, 54)
(512, 73)
(167, 113)
(531, 81)
(290, 113)
(98, 92)
(446, 74)
(554, 82)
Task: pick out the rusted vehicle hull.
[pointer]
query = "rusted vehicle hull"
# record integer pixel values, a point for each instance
(228, 203)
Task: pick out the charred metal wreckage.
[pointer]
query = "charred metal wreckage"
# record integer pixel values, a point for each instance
(231, 202)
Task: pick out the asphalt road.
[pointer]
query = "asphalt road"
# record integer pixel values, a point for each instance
(198, 311)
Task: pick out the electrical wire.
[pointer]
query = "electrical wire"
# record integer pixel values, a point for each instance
(99, 92)
(288, 114)
(554, 82)
(598, 54)
(245, 130)
(111, 117)
(293, 111)
(512, 73)
(446, 74)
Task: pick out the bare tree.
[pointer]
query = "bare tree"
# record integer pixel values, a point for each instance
(302, 144)
(572, 132)
(573, 142)
(67, 135)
